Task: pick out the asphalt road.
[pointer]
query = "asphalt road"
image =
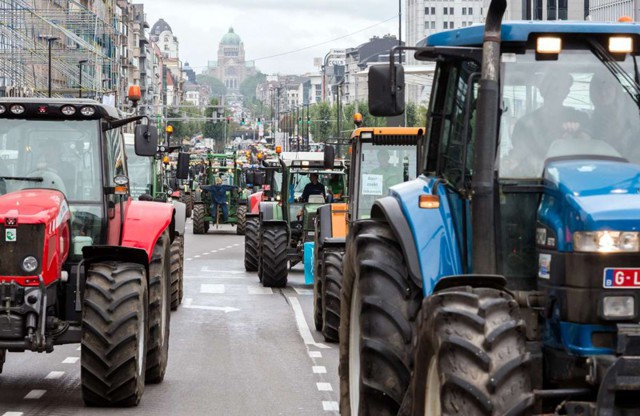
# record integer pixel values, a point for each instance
(236, 349)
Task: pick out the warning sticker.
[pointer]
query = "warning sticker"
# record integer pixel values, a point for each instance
(372, 184)
(10, 235)
(544, 263)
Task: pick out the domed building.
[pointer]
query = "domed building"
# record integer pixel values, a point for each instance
(231, 67)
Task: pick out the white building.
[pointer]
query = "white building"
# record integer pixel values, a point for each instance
(612, 10)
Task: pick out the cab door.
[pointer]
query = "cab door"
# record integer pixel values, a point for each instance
(116, 204)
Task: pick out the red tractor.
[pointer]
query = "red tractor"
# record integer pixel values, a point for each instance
(80, 261)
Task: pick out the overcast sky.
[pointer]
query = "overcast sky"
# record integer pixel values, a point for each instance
(270, 27)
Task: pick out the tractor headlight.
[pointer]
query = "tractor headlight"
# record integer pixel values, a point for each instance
(29, 264)
(606, 241)
(618, 307)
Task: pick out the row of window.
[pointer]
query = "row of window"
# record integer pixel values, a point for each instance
(445, 25)
(448, 11)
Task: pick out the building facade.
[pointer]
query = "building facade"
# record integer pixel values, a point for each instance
(231, 68)
(612, 10)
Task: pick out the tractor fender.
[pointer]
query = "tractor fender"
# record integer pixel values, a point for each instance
(93, 254)
(180, 216)
(389, 210)
(270, 211)
(144, 224)
(333, 223)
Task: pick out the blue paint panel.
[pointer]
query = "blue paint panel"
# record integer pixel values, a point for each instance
(520, 31)
(576, 338)
(432, 230)
(579, 196)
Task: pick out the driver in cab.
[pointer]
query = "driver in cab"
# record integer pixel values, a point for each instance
(312, 188)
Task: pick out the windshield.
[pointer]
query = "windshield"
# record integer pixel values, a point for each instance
(60, 155)
(140, 173)
(573, 106)
(382, 167)
(333, 182)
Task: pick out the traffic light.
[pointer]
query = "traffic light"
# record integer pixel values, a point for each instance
(242, 122)
(308, 120)
(299, 120)
(228, 120)
(259, 121)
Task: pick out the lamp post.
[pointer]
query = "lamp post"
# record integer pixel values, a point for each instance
(400, 23)
(80, 63)
(50, 41)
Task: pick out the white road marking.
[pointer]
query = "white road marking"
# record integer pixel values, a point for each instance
(225, 309)
(12, 414)
(213, 251)
(257, 290)
(303, 328)
(196, 257)
(303, 292)
(204, 254)
(319, 369)
(187, 302)
(79, 348)
(315, 354)
(330, 406)
(189, 259)
(70, 360)
(35, 394)
(324, 387)
(221, 249)
(54, 375)
(236, 245)
(212, 289)
(205, 269)
(229, 246)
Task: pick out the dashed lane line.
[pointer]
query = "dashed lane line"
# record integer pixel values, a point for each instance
(70, 360)
(35, 394)
(257, 290)
(330, 406)
(12, 414)
(324, 386)
(303, 292)
(319, 369)
(315, 354)
(303, 328)
(54, 375)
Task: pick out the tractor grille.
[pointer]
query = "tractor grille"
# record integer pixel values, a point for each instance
(29, 242)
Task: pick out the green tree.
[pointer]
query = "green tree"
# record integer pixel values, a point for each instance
(248, 88)
(215, 129)
(216, 86)
(323, 117)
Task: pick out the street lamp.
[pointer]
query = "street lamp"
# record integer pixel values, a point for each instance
(80, 63)
(50, 41)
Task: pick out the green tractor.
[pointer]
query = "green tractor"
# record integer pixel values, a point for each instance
(287, 225)
(149, 181)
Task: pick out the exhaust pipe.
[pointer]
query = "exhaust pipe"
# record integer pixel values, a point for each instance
(482, 185)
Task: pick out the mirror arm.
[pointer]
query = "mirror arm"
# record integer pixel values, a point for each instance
(392, 59)
(119, 123)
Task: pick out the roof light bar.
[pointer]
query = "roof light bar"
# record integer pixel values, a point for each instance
(620, 44)
(549, 44)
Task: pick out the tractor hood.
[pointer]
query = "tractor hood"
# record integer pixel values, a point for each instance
(590, 195)
(34, 206)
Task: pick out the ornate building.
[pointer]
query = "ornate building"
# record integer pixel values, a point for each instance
(231, 67)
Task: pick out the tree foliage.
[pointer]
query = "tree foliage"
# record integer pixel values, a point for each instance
(216, 86)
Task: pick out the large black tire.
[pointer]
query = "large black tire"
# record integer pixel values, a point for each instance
(471, 357)
(317, 287)
(241, 219)
(331, 287)
(159, 310)
(3, 358)
(114, 334)
(187, 199)
(251, 244)
(199, 213)
(379, 307)
(273, 257)
(176, 271)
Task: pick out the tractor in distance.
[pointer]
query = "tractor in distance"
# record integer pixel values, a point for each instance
(81, 262)
(380, 158)
(149, 181)
(285, 225)
(505, 279)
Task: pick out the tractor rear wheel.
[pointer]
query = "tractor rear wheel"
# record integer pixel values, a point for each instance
(198, 219)
(159, 310)
(471, 355)
(241, 216)
(3, 358)
(331, 287)
(273, 256)
(251, 254)
(114, 334)
(317, 288)
(379, 304)
(176, 271)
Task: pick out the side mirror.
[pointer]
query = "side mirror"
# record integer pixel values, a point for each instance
(182, 171)
(329, 157)
(382, 101)
(146, 140)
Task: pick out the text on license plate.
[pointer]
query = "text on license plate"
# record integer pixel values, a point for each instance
(621, 277)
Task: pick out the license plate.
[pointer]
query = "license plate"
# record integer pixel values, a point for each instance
(621, 277)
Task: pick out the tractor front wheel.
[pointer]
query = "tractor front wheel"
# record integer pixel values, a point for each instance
(114, 334)
(241, 215)
(176, 271)
(159, 310)
(317, 288)
(251, 255)
(331, 287)
(273, 256)
(379, 306)
(471, 357)
(187, 199)
(199, 213)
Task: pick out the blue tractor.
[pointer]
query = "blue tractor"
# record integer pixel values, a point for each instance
(505, 280)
